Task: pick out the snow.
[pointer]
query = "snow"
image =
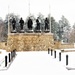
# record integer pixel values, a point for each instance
(39, 63)
(68, 49)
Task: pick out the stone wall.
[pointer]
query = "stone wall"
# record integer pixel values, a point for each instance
(30, 41)
(64, 46)
(3, 45)
(59, 45)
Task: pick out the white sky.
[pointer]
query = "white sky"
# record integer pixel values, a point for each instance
(57, 8)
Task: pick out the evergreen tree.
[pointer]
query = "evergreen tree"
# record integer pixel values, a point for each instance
(64, 28)
(54, 28)
(72, 34)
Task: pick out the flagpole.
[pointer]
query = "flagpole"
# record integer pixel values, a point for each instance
(50, 17)
(29, 7)
(8, 22)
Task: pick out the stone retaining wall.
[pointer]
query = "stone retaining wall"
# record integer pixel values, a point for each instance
(3, 45)
(59, 45)
(30, 41)
(64, 46)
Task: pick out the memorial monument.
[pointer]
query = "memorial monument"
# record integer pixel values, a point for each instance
(29, 39)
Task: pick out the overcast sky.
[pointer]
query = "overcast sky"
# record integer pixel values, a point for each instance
(57, 8)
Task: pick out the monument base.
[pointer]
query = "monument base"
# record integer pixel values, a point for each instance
(30, 41)
(13, 31)
(22, 31)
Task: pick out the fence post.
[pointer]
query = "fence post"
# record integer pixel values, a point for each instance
(5, 61)
(15, 52)
(59, 56)
(48, 50)
(51, 52)
(66, 59)
(54, 54)
(9, 57)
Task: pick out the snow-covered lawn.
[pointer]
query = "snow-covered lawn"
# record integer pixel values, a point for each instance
(39, 63)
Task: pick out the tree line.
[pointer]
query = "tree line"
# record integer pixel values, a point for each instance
(62, 29)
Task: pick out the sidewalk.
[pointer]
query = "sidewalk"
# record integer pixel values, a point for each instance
(36, 63)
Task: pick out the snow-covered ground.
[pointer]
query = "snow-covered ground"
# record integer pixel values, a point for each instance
(39, 63)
